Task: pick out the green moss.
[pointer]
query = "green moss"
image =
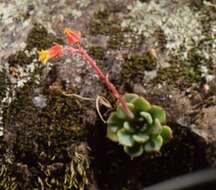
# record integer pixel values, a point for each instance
(48, 144)
(39, 38)
(3, 84)
(161, 39)
(7, 182)
(183, 75)
(43, 139)
(19, 58)
(135, 65)
(210, 99)
(179, 75)
(62, 115)
(105, 23)
(7, 179)
(115, 40)
(97, 52)
(175, 76)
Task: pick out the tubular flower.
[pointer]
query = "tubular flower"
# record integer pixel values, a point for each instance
(73, 37)
(54, 51)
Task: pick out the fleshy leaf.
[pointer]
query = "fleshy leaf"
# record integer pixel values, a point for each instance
(154, 145)
(159, 113)
(141, 104)
(125, 138)
(127, 126)
(166, 134)
(111, 135)
(130, 97)
(140, 138)
(134, 151)
(145, 132)
(147, 116)
(156, 128)
(121, 113)
(114, 120)
(114, 129)
(131, 106)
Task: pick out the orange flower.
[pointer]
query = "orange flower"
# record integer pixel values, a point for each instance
(73, 37)
(54, 51)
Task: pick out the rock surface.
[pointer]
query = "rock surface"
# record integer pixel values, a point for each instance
(164, 50)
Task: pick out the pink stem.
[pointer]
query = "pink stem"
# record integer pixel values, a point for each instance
(103, 77)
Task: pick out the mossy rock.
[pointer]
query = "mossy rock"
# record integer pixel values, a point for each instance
(97, 52)
(38, 38)
(48, 144)
(181, 77)
(4, 82)
(105, 23)
(134, 67)
(19, 58)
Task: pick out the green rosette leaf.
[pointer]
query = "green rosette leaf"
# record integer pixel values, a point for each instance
(140, 138)
(155, 129)
(134, 151)
(147, 116)
(110, 134)
(129, 97)
(120, 113)
(127, 126)
(141, 104)
(114, 120)
(125, 138)
(154, 145)
(159, 113)
(166, 134)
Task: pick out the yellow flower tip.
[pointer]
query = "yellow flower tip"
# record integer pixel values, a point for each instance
(55, 51)
(43, 56)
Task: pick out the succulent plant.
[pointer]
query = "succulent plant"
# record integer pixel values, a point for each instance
(145, 132)
(136, 124)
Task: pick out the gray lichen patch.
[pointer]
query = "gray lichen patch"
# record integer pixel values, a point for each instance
(16, 18)
(178, 22)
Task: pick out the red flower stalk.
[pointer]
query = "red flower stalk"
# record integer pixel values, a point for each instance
(106, 80)
(73, 38)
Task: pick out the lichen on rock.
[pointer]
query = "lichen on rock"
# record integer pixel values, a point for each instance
(178, 22)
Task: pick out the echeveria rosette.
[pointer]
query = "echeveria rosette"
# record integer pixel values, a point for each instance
(145, 132)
